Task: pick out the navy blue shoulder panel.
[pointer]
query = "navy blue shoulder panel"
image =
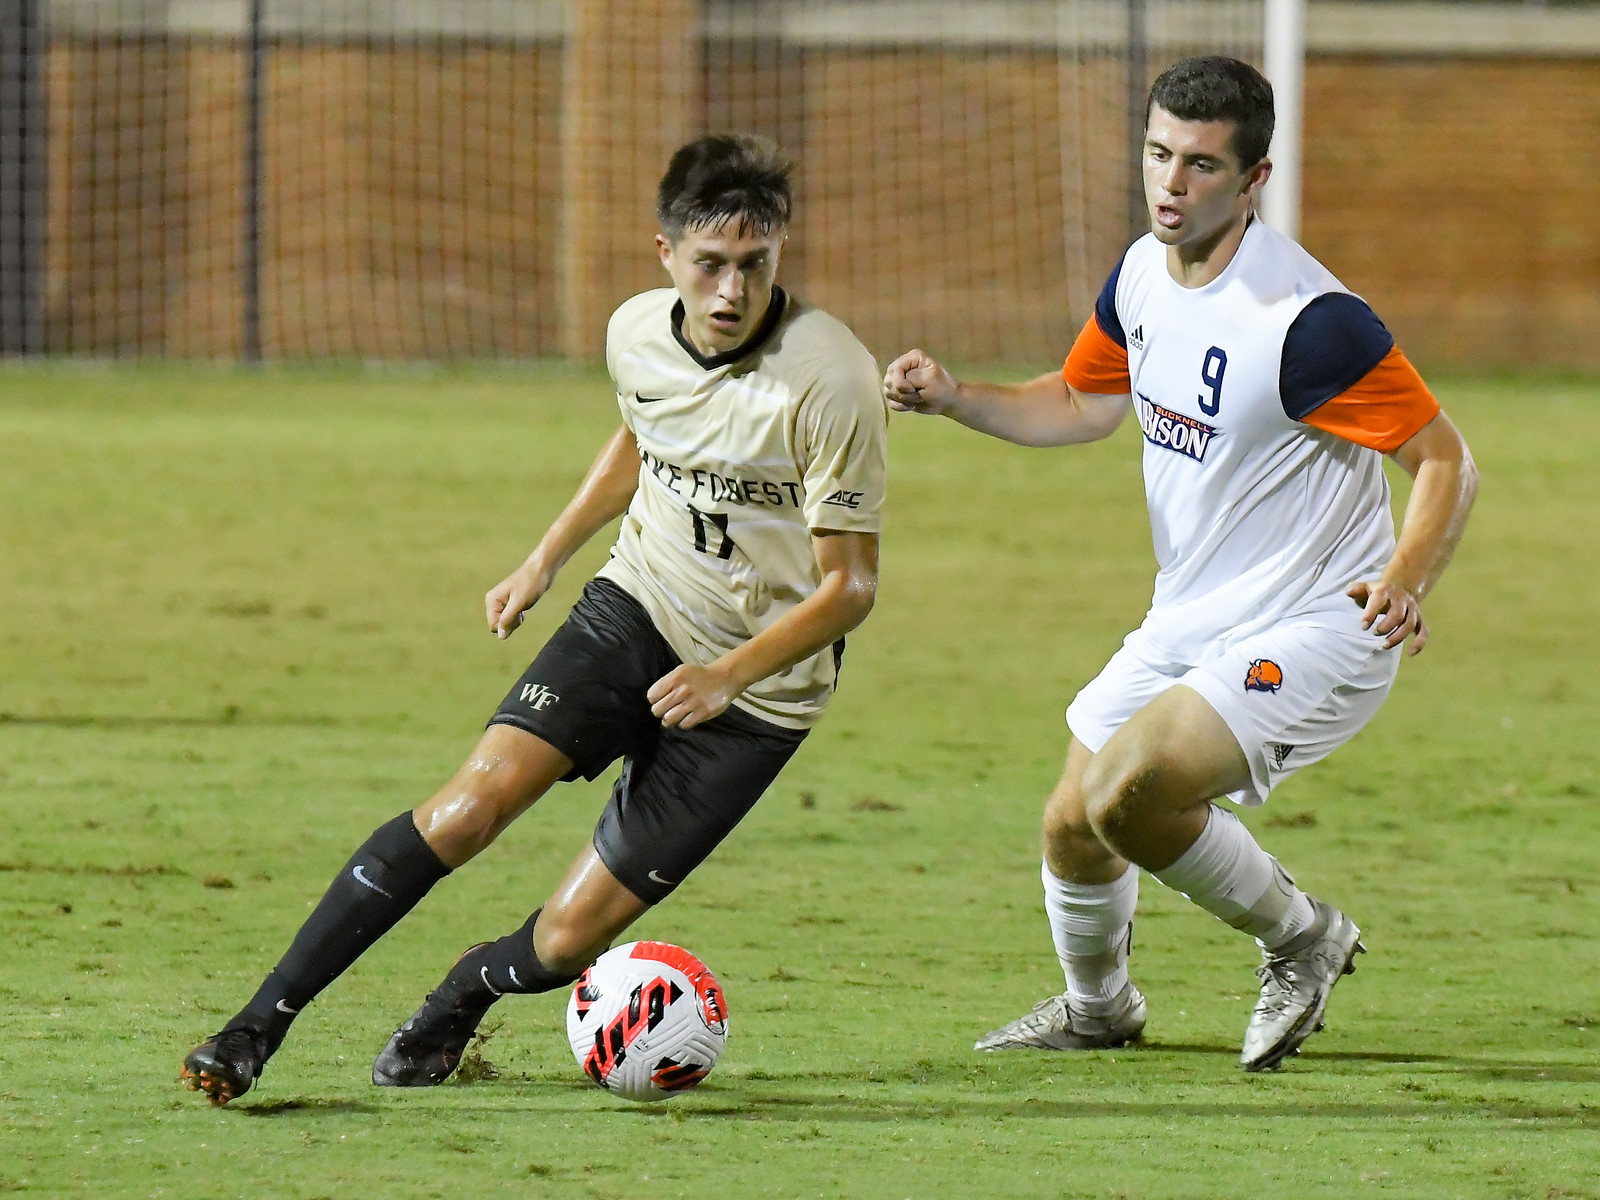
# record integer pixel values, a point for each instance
(1105, 308)
(1330, 347)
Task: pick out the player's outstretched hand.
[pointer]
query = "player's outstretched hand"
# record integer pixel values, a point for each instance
(1392, 612)
(514, 595)
(915, 383)
(689, 695)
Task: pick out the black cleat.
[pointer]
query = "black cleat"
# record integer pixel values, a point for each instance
(428, 1047)
(226, 1064)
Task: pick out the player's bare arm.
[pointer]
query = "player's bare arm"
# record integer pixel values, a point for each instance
(1446, 483)
(692, 694)
(1040, 412)
(585, 699)
(1248, 517)
(603, 496)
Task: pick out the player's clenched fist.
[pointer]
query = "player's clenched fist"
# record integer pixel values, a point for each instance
(514, 595)
(914, 382)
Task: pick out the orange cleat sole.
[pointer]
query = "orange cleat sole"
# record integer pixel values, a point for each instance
(218, 1091)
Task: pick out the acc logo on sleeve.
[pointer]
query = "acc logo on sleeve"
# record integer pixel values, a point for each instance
(1174, 431)
(1264, 675)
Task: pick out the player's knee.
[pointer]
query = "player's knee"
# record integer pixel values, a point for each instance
(1117, 788)
(464, 817)
(1066, 824)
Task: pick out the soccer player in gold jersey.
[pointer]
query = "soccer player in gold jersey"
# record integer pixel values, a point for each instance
(748, 470)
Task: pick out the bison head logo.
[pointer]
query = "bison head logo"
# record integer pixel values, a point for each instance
(1264, 675)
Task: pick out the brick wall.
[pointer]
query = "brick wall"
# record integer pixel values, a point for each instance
(408, 205)
(1457, 197)
(410, 201)
(494, 199)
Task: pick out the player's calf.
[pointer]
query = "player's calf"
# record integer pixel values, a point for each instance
(385, 878)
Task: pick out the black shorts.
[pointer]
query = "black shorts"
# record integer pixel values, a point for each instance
(682, 790)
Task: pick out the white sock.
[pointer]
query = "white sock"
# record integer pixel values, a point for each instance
(1089, 922)
(1226, 873)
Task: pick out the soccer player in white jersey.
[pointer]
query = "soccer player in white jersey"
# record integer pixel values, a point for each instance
(749, 473)
(1268, 396)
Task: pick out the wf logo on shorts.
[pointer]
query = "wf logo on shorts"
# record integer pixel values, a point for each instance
(537, 696)
(1264, 675)
(1174, 431)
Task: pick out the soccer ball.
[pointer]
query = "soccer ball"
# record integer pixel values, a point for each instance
(647, 1020)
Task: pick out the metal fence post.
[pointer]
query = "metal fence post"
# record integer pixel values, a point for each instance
(22, 176)
(250, 333)
(1138, 91)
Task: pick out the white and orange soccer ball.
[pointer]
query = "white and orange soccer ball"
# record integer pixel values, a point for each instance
(648, 1019)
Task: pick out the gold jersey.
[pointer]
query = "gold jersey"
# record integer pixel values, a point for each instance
(742, 455)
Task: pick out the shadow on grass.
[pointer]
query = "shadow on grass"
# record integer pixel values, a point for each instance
(752, 1098)
(277, 1108)
(1381, 1056)
(1232, 1051)
(826, 1108)
(1533, 1072)
(758, 1094)
(1148, 1047)
(1020, 1065)
(228, 717)
(821, 1108)
(1509, 1070)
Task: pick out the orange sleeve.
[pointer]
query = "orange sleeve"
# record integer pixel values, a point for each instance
(1097, 365)
(1382, 410)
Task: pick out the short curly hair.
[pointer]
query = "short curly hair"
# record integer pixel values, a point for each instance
(1213, 88)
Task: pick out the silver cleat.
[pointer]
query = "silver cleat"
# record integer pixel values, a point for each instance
(1052, 1025)
(1295, 986)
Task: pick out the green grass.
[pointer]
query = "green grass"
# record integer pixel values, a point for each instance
(241, 625)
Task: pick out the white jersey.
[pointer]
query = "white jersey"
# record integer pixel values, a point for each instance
(742, 455)
(1265, 398)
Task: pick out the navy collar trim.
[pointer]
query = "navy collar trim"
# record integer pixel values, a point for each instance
(775, 311)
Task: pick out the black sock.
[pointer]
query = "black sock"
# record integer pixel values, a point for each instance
(511, 964)
(381, 883)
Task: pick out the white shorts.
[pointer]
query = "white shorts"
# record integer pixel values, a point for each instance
(1292, 694)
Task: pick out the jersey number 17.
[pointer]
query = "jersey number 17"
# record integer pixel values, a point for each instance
(704, 523)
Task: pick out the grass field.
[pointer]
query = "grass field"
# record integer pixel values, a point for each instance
(241, 625)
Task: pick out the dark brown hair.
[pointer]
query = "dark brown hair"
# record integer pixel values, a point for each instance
(725, 176)
(1213, 88)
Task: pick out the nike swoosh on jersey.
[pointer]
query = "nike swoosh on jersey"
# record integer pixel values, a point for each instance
(664, 882)
(361, 878)
(649, 399)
